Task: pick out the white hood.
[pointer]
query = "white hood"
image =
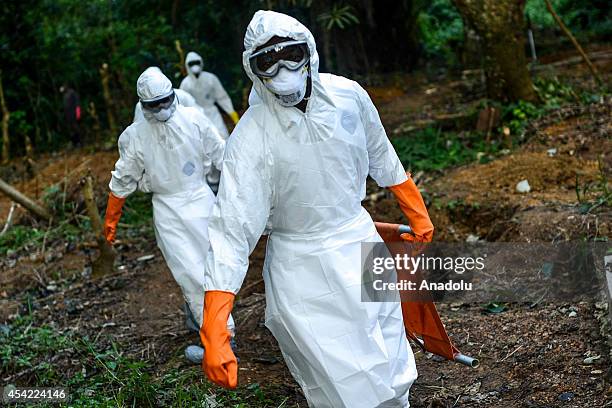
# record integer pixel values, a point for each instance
(152, 84)
(192, 56)
(263, 26)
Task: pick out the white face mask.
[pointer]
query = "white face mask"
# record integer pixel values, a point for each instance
(164, 114)
(196, 69)
(289, 87)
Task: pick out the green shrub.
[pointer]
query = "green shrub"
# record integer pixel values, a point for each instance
(431, 149)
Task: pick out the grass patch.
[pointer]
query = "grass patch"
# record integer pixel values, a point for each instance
(137, 217)
(25, 238)
(99, 377)
(138, 209)
(18, 236)
(431, 149)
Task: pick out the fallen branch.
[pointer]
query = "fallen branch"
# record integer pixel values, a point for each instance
(25, 202)
(443, 120)
(593, 56)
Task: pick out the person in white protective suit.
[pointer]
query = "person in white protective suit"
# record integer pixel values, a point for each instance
(296, 167)
(207, 90)
(185, 99)
(175, 146)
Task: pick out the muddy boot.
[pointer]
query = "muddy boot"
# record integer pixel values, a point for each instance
(190, 321)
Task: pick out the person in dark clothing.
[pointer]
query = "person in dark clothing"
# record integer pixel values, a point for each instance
(72, 113)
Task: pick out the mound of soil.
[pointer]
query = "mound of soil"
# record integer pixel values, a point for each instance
(566, 166)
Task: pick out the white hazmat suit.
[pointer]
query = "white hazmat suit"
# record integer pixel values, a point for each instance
(301, 177)
(177, 155)
(207, 90)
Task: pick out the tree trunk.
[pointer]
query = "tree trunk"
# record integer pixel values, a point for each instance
(91, 110)
(28, 145)
(181, 53)
(104, 264)
(500, 24)
(104, 74)
(6, 115)
(174, 12)
(471, 50)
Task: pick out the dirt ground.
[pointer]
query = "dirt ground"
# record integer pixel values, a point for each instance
(531, 356)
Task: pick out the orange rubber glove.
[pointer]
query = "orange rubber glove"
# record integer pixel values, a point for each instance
(113, 214)
(219, 362)
(235, 117)
(413, 207)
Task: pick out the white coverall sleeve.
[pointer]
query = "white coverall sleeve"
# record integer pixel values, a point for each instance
(240, 215)
(385, 167)
(221, 96)
(128, 169)
(213, 143)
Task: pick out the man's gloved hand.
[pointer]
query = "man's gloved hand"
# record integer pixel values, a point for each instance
(235, 117)
(113, 214)
(219, 362)
(413, 207)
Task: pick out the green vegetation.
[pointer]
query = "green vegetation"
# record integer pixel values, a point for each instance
(441, 30)
(137, 217)
(432, 149)
(587, 18)
(54, 42)
(138, 210)
(18, 236)
(441, 27)
(104, 377)
(553, 94)
(21, 237)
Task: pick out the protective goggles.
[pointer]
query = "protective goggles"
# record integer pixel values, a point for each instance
(195, 62)
(159, 104)
(292, 55)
